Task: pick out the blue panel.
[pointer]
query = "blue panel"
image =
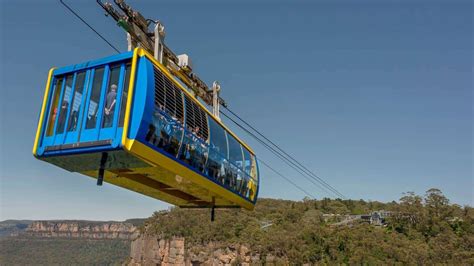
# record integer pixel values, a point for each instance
(79, 151)
(93, 63)
(143, 89)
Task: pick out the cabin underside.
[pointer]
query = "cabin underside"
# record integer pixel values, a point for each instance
(164, 179)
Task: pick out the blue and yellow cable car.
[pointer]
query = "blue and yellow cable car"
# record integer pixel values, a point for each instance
(127, 120)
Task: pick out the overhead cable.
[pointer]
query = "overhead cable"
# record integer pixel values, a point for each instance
(90, 27)
(290, 158)
(278, 154)
(287, 179)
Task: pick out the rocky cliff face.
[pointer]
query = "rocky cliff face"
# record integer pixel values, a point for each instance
(83, 229)
(151, 250)
(148, 250)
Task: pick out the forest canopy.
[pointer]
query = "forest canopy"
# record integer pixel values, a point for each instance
(418, 229)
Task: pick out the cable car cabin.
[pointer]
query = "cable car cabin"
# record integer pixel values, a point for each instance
(127, 117)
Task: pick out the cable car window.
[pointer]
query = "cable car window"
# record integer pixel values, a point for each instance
(166, 130)
(94, 98)
(218, 138)
(253, 169)
(76, 102)
(168, 97)
(111, 97)
(159, 90)
(53, 110)
(217, 161)
(123, 103)
(65, 103)
(247, 165)
(235, 173)
(235, 151)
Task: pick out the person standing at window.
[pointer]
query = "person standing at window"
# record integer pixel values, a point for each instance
(62, 117)
(110, 105)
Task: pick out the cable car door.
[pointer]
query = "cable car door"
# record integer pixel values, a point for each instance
(101, 110)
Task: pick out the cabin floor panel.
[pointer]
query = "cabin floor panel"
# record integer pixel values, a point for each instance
(91, 161)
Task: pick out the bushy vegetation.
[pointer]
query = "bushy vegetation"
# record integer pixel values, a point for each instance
(62, 251)
(421, 230)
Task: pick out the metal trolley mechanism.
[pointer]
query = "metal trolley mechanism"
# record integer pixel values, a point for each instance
(139, 35)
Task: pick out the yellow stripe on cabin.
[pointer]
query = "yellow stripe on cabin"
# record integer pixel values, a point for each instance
(42, 114)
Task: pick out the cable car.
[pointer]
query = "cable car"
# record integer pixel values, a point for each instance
(125, 119)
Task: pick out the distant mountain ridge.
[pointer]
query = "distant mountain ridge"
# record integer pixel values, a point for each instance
(13, 227)
(72, 228)
(66, 242)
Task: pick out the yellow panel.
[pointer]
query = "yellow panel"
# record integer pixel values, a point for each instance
(42, 114)
(130, 98)
(155, 158)
(137, 187)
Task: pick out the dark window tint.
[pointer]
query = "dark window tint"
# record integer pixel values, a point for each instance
(53, 109)
(111, 97)
(123, 103)
(65, 103)
(218, 138)
(235, 151)
(168, 97)
(247, 165)
(94, 98)
(76, 101)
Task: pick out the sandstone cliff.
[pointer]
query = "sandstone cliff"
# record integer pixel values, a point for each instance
(151, 250)
(83, 229)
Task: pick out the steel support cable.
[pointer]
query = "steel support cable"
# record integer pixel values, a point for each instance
(90, 27)
(287, 179)
(288, 163)
(309, 172)
(306, 170)
(279, 155)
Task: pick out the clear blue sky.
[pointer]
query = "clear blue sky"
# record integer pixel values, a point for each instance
(375, 96)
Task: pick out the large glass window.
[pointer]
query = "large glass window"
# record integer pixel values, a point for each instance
(218, 138)
(165, 132)
(218, 165)
(247, 165)
(111, 97)
(94, 98)
(76, 102)
(235, 151)
(53, 109)
(235, 174)
(123, 102)
(65, 103)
